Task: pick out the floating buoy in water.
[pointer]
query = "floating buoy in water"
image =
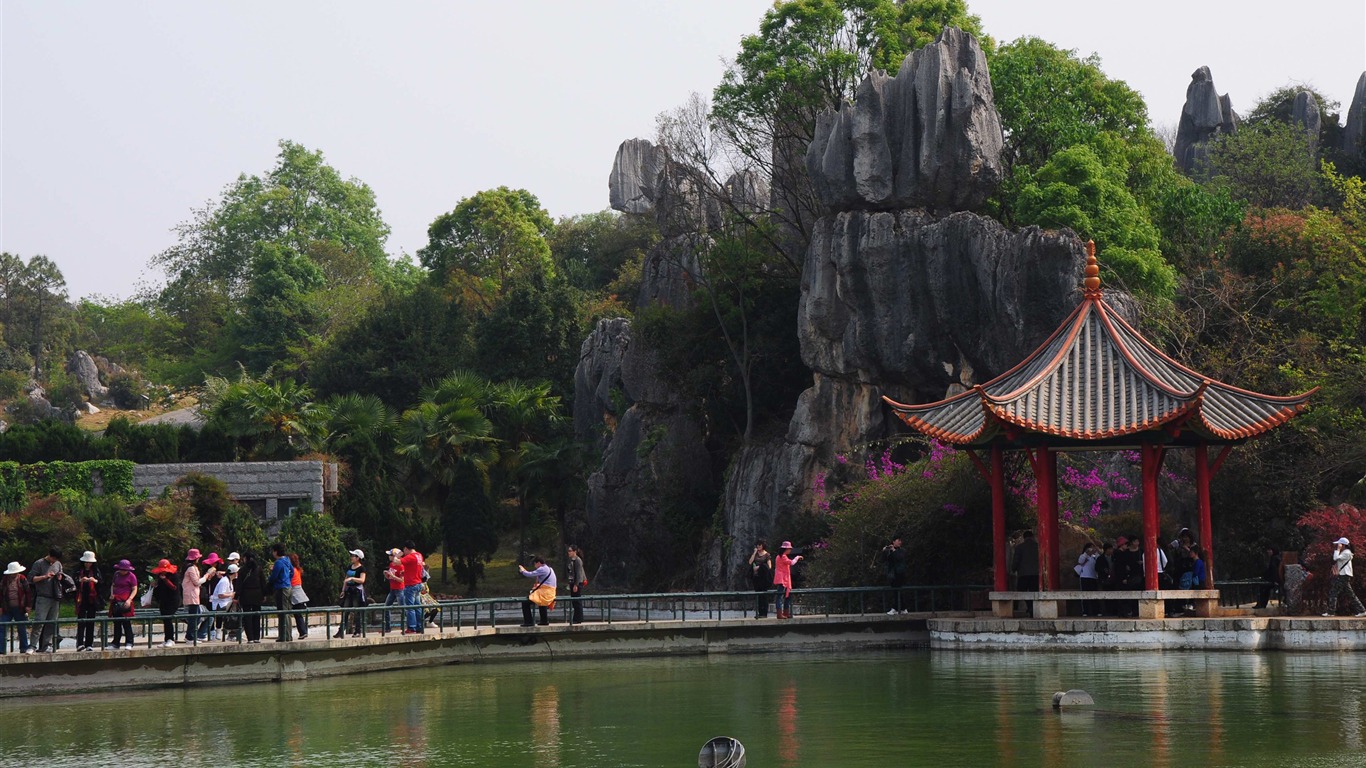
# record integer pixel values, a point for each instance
(1073, 698)
(722, 752)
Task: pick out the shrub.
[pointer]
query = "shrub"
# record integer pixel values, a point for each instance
(317, 540)
(127, 390)
(12, 384)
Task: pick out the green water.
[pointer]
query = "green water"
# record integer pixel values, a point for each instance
(872, 709)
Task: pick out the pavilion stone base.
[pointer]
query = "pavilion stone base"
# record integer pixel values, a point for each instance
(1151, 603)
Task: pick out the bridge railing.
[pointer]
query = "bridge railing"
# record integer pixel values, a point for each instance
(383, 619)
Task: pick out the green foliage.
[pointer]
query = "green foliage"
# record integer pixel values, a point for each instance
(1075, 189)
(467, 525)
(317, 540)
(12, 384)
(277, 323)
(127, 390)
(496, 235)
(76, 480)
(136, 332)
(27, 534)
(1267, 165)
(406, 341)
(534, 333)
(809, 55)
(592, 249)
(938, 506)
(1050, 99)
(276, 239)
(268, 421)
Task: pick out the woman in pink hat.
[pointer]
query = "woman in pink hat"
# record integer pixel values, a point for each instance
(782, 579)
(190, 582)
(121, 594)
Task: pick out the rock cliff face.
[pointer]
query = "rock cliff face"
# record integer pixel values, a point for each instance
(1204, 115)
(1354, 132)
(905, 292)
(929, 137)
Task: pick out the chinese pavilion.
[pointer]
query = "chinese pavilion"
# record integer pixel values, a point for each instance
(1098, 384)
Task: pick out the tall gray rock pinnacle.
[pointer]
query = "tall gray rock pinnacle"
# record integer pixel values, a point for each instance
(929, 137)
(1354, 133)
(1204, 115)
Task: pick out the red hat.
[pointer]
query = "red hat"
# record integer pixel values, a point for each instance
(164, 566)
(213, 559)
(1121, 541)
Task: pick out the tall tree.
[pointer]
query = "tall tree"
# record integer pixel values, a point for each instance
(490, 238)
(302, 209)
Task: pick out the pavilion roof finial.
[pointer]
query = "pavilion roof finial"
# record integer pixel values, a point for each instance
(1092, 282)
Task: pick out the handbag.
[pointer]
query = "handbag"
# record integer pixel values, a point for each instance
(146, 600)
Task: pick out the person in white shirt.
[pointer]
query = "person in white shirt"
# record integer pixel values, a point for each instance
(224, 596)
(1342, 579)
(1086, 571)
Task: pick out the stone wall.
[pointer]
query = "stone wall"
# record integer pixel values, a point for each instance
(263, 485)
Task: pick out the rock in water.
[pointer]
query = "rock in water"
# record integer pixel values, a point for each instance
(1354, 133)
(1073, 698)
(929, 137)
(1204, 114)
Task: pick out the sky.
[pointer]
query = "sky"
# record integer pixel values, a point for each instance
(119, 120)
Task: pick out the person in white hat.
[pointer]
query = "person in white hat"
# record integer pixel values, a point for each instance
(87, 601)
(1342, 579)
(353, 594)
(14, 603)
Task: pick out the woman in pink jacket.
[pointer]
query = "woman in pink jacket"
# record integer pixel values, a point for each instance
(782, 579)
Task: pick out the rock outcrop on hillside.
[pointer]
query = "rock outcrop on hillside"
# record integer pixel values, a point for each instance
(83, 368)
(1204, 115)
(1354, 132)
(928, 137)
(905, 292)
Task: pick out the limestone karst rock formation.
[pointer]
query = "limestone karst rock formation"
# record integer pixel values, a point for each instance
(635, 172)
(928, 137)
(1304, 114)
(1354, 132)
(905, 292)
(82, 366)
(1204, 115)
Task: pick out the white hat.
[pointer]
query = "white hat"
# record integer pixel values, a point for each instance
(358, 553)
(233, 556)
(14, 568)
(1343, 541)
(88, 557)
(233, 568)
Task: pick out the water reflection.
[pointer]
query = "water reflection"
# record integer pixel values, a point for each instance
(917, 708)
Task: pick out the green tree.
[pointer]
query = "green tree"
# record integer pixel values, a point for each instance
(807, 58)
(267, 421)
(303, 208)
(534, 332)
(1075, 189)
(445, 431)
(468, 524)
(33, 308)
(405, 341)
(591, 250)
(489, 238)
(276, 324)
(317, 539)
(1267, 165)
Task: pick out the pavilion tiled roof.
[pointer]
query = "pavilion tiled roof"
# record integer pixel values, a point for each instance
(1097, 378)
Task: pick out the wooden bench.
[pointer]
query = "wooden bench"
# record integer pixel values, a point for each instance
(1151, 603)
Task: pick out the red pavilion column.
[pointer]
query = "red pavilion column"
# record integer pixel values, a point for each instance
(1046, 477)
(1152, 466)
(998, 517)
(1202, 477)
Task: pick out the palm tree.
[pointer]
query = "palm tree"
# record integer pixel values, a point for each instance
(522, 414)
(444, 433)
(267, 421)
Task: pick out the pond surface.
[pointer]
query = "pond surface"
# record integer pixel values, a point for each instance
(914, 708)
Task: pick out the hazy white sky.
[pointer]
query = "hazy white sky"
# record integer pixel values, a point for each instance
(118, 119)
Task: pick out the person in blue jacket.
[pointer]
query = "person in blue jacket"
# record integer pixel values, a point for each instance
(281, 576)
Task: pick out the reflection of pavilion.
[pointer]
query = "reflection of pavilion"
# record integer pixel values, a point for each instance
(1097, 384)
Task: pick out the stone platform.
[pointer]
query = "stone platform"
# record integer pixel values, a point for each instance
(1227, 633)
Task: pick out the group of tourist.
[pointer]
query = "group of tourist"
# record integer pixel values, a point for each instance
(771, 574)
(215, 598)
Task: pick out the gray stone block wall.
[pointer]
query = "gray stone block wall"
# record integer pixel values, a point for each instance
(248, 480)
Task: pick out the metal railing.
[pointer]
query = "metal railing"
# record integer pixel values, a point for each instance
(1241, 592)
(475, 613)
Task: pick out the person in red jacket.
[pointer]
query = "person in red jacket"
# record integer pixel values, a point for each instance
(16, 598)
(412, 586)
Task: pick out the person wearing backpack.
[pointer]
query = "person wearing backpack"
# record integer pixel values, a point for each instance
(16, 597)
(46, 577)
